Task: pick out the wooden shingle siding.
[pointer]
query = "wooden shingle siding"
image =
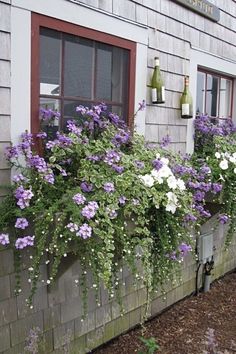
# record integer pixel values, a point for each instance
(5, 84)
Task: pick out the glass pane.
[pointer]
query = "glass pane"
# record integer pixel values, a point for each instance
(120, 80)
(200, 104)
(225, 98)
(78, 67)
(212, 95)
(50, 58)
(103, 71)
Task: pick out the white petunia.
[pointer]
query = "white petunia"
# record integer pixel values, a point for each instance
(217, 155)
(224, 164)
(164, 160)
(172, 182)
(232, 159)
(172, 202)
(155, 174)
(181, 184)
(171, 207)
(158, 155)
(165, 172)
(147, 180)
(235, 170)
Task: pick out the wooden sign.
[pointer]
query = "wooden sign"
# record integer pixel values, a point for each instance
(203, 7)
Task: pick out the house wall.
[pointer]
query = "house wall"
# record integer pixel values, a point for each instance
(183, 40)
(5, 90)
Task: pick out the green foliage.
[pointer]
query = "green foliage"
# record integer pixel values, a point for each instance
(151, 346)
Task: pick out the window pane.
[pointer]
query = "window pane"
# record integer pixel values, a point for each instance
(201, 81)
(69, 111)
(50, 54)
(78, 69)
(50, 126)
(212, 95)
(103, 72)
(225, 98)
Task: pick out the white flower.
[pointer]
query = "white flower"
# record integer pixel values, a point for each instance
(155, 174)
(232, 159)
(165, 172)
(164, 160)
(234, 155)
(224, 164)
(217, 155)
(158, 155)
(147, 180)
(181, 184)
(171, 207)
(227, 155)
(235, 170)
(172, 182)
(172, 202)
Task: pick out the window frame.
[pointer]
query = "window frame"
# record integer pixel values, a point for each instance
(220, 76)
(38, 21)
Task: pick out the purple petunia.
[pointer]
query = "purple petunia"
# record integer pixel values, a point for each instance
(85, 231)
(90, 210)
(23, 242)
(21, 223)
(165, 141)
(157, 164)
(109, 187)
(49, 178)
(41, 135)
(118, 169)
(18, 178)
(122, 200)
(139, 164)
(23, 196)
(190, 218)
(112, 157)
(199, 196)
(216, 187)
(86, 187)
(4, 239)
(223, 219)
(184, 249)
(111, 213)
(79, 199)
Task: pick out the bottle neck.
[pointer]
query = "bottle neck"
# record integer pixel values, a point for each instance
(186, 84)
(156, 62)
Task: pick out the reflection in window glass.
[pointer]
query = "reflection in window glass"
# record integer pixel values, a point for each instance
(78, 67)
(50, 49)
(200, 104)
(104, 71)
(51, 126)
(212, 95)
(225, 97)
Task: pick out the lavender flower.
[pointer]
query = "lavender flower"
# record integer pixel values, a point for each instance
(86, 187)
(184, 249)
(157, 164)
(122, 200)
(85, 231)
(23, 196)
(81, 109)
(199, 196)
(19, 178)
(21, 223)
(33, 340)
(139, 164)
(216, 187)
(41, 135)
(109, 187)
(190, 218)
(165, 141)
(112, 157)
(4, 239)
(111, 213)
(121, 138)
(64, 140)
(12, 152)
(49, 178)
(223, 219)
(118, 169)
(72, 227)
(71, 126)
(142, 105)
(39, 163)
(23, 242)
(79, 199)
(90, 210)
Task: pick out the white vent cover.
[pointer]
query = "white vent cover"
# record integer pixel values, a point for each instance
(205, 247)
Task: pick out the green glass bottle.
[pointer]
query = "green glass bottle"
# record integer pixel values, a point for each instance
(186, 101)
(157, 84)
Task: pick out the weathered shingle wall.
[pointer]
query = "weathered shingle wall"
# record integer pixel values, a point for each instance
(5, 91)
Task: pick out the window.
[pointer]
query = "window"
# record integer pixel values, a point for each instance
(214, 94)
(72, 66)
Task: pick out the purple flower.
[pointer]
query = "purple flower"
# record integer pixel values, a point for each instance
(216, 187)
(49, 178)
(190, 217)
(81, 109)
(41, 135)
(205, 170)
(86, 187)
(157, 164)
(109, 187)
(4, 239)
(18, 178)
(165, 141)
(72, 227)
(39, 163)
(12, 152)
(184, 249)
(23, 196)
(112, 157)
(121, 138)
(94, 158)
(118, 169)
(64, 140)
(21, 223)
(85, 231)
(142, 105)
(23, 242)
(139, 164)
(72, 127)
(89, 210)
(79, 199)
(111, 213)
(48, 114)
(205, 187)
(223, 219)
(50, 144)
(199, 196)
(122, 200)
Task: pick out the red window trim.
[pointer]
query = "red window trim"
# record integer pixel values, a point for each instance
(217, 74)
(63, 26)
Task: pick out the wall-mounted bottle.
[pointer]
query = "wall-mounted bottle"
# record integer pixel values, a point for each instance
(186, 101)
(157, 84)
